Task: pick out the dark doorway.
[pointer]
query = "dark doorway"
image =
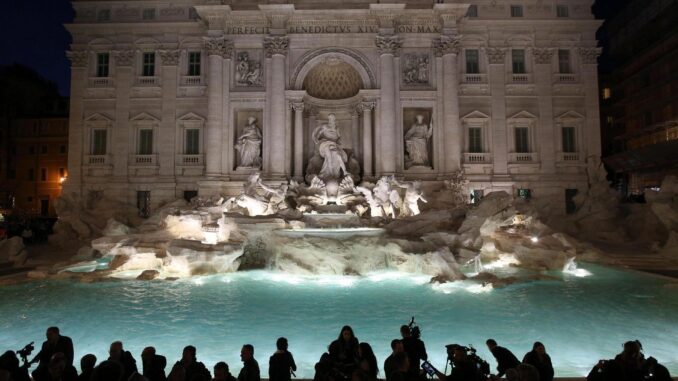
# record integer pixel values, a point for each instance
(189, 194)
(44, 207)
(144, 203)
(570, 206)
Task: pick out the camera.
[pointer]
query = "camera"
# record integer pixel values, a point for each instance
(25, 352)
(482, 366)
(415, 331)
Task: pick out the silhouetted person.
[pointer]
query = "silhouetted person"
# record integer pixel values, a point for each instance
(108, 371)
(250, 368)
(55, 344)
(630, 361)
(368, 361)
(222, 373)
(281, 364)
(9, 362)
(87, 364)
(415, 349)
(402, 363)
(389, 363)
(153, 365)
(346, 355)
(59, 370)
(505, 359)
(463, 369)
(178, 373)
(195, 370)
(124, 358)
(539, 359)
(654, 371)
(327, 368)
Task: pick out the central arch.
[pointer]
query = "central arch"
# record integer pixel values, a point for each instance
(337, 57)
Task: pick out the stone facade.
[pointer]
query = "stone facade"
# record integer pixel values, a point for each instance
(168, 90)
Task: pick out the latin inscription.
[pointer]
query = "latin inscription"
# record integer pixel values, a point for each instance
(332, 29)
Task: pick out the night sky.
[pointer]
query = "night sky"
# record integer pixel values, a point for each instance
(32, 34)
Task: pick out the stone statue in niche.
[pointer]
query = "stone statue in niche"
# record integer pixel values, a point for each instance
(417, 143)
(327, 140)
(247, 72)
(248, 145)
(416, 69)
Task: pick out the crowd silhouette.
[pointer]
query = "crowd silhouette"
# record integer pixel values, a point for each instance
(346, 359)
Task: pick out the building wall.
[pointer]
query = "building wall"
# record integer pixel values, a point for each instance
(289, 41)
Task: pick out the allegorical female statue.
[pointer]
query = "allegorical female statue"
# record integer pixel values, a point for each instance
(328, 143)
(416, 143)
(248, 145)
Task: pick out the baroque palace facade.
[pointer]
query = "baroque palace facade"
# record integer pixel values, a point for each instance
(182, 97)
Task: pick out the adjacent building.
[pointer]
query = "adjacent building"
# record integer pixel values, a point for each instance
(182, 97)
(639, 92)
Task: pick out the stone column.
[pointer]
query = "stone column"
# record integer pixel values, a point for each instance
(448, 47)
(298, 170)
(166, 138)
(123, 61)
(366, 109)
(497, 77)
(276, 50)
(545, 144)
(589, 78)
(217, 49)
(355, 132)
(388, 47)
(312, 112)
(77, 146)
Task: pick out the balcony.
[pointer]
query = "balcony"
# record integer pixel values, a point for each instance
(148, 81)
(471, 79)
(522, 157)
(520, 78)
(565, 78)
(191, 80)
(191, 160)
(100, 82)
(568, 157)
(144, 160)
(97, 160)
(477, 158)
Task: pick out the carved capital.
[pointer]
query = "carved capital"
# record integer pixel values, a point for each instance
(297, 106)
(219, 46)
(496, 56)
(387, 44)
(542, 55)
(589, 56)
(123, 57)
(365, 106)
(444, 45)
(78, 58)
(169, 57)
(276, 45)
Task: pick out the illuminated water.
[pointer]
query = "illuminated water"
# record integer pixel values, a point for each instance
(580, 319)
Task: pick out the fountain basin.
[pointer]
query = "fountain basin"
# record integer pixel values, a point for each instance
(336, 233)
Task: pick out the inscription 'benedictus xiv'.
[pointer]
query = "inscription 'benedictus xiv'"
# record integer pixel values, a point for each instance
(332, 29)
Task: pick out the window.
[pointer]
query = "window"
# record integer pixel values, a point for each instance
(564, 61)
(99, 142)
(562, 11)
(193, 63)
(475, 140)
(31, 174)
(472, 11)
(607, 93)
(145, 141)
(62, 149)
(516, 11)
(102, 64)
(522, 139)
(518, 59)
(148, 14)
(148, 65)
(43, 149)
(43, 174)
(472, 61)
(104, 15)
(568, 139)
(477, 196)
(524, 193)
(192, 141)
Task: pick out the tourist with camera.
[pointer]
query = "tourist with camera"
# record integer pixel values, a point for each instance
(505, 358)
(539, 359)
(55, 343)
(414, 347)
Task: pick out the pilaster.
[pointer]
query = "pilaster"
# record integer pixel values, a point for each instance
(546, 140)
(497, 77)
(448, 48)
(366, 109)
(168, 121)
(276, 49)
(589, 77)
(219, 49)
(77, 147)
(123, 60)
(298, 170)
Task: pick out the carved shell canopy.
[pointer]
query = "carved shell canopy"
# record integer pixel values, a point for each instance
(332, 79)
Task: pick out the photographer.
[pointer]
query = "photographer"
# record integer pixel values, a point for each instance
(463, 368)
(55, 344)
(414, 347)
(505, 358)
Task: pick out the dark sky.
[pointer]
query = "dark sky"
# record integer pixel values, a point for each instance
(32, 34)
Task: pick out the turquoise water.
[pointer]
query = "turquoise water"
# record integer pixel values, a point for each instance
(579, 319)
